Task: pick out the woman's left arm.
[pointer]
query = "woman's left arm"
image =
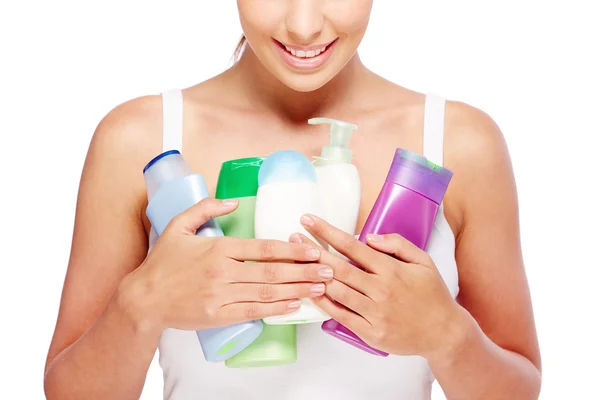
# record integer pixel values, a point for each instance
(501, 358)
(482, 347)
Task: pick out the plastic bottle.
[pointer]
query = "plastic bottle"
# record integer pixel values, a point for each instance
(407, 205)
(337, 178)
(287, 189)
(238, 179)
(173, 188)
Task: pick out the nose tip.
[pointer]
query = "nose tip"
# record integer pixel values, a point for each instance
(305, 24)
(304, 38)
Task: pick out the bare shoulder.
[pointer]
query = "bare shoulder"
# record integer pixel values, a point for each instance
(132, 128)
(473, 138)
(475, 150)
(474, 144)
(126, 138)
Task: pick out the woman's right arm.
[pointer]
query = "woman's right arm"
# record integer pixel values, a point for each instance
(117, 300)
(101, 346)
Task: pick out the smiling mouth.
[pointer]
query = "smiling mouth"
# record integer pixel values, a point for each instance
(305, 54)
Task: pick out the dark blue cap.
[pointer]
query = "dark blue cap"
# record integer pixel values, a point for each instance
(160, 156)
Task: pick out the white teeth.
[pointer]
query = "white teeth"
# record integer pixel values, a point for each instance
(305, 54)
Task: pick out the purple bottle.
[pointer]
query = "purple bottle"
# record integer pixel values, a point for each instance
(407, 205)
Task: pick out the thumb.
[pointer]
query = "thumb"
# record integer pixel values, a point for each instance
(197, 215)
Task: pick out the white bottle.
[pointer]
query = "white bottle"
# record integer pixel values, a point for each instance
(337, 178)
(287, 189)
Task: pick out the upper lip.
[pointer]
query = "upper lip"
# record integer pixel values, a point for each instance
(306, 48)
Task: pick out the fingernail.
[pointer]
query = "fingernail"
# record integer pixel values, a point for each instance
(307, 220)
(326, 273)
(294, 304)
(317, 289)
(375, 238)
(295, 238)
(229, 203)
(313, 253)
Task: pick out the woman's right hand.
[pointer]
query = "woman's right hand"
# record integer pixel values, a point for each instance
(190, 282)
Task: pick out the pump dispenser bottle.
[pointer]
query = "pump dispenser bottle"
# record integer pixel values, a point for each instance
(407, 205)
(337, 178)
(287, 189)
(238, 179)
(173, 188)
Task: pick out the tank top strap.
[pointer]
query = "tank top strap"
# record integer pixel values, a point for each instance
(433, 131)
(172, 113)
(172, 134)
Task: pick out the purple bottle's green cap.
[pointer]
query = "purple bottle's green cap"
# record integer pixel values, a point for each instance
(417, 173)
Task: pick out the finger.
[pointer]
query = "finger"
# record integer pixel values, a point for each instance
(240, 312)
(343, 271)
(344, 316)
(200, 213)
(344, 243)
(272, 272)
(300, 238)
(267, 293)
(270, 250)
(400, 247)
(345, 295)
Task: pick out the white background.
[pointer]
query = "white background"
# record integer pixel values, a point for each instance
(532, 65)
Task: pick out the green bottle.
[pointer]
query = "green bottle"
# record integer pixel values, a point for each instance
(238, 180)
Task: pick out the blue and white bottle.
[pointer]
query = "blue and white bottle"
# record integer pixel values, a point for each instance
(287, 189)
(173, 188)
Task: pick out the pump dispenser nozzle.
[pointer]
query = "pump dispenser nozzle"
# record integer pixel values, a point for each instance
(337, 150)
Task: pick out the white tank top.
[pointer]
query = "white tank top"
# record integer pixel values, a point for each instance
(326, 367)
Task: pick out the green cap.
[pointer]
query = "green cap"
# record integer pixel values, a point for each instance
(239, 178)
(433, 166)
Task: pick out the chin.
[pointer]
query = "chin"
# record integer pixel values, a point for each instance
(305, 82)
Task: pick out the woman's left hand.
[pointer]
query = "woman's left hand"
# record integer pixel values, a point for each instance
(399, 303)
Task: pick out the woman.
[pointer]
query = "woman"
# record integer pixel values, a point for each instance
(121, 302)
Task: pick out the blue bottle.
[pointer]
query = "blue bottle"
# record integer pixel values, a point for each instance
(173, 188)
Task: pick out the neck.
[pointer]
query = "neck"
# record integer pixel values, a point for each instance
(265, 92)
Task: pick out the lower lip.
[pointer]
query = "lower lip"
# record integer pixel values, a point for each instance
(306, 64)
